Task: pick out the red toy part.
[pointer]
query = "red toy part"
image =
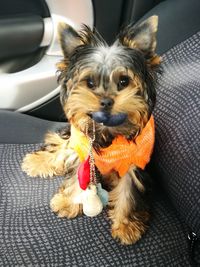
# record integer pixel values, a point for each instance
(84, 173)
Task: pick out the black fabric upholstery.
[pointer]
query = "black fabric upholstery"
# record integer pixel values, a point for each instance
(22, 129)
(31, 235)
(12, 32)
(178, 20)
(177, 116)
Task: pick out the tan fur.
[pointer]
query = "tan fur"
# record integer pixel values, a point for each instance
(128, 225)
(80, 100)
(154, 61)
(128, 232)
(63, 202)
(56, 159)
(124, 101)
(62, 65)
(135, 107)
(73, 106)
(137, 183)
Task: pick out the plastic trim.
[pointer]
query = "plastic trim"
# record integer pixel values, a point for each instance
(48, 32)
(27, 89)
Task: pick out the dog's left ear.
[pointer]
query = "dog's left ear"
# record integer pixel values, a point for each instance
(143, 38)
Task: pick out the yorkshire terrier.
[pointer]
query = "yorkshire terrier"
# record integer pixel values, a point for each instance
(108, 95)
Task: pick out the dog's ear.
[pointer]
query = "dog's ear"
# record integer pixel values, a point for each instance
(143, 38)
(69, 39)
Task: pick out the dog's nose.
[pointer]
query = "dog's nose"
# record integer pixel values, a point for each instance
(106, 102)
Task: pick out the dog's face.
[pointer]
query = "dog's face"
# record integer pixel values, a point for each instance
(111, 85)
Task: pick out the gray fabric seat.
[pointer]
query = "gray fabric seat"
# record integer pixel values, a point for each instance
(32, 235)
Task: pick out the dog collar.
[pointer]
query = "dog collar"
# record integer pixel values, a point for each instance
(121, 154)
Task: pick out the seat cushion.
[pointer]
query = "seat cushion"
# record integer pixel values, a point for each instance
(22, 129)
(177, 116)
(31, 235)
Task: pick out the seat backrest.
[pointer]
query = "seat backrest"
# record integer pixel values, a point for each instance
(177, 116)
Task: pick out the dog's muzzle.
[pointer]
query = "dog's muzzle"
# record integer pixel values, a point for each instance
(109, 119)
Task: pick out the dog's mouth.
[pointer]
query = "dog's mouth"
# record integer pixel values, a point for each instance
(107, 119)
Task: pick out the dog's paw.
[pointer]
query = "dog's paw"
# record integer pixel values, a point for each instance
(128, 232)
(58, 202)
(34, 164)
(63, 206)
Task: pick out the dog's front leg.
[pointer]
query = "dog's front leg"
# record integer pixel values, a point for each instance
(128, 218)
(51, 159)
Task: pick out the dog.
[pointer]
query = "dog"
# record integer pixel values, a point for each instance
(108, 95)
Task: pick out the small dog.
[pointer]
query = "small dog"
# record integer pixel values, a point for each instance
(108, 95)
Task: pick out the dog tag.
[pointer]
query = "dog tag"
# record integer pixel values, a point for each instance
(103, 194)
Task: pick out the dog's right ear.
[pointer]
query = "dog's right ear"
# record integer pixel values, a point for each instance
(69, 39)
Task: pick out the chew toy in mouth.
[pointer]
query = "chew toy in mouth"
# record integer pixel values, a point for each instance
(109, 119)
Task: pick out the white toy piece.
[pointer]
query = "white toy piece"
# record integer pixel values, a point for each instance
(92, 204)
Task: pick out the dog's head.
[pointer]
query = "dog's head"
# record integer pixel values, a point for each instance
(112, 85)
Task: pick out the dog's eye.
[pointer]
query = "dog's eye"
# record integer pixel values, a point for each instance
(90, 83)
(123, 82)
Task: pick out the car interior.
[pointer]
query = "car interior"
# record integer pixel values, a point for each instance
(30, 233)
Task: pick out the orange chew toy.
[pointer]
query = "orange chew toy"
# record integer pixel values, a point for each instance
(121, 154)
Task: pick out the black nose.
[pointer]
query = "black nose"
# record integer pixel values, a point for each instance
(106, 102)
